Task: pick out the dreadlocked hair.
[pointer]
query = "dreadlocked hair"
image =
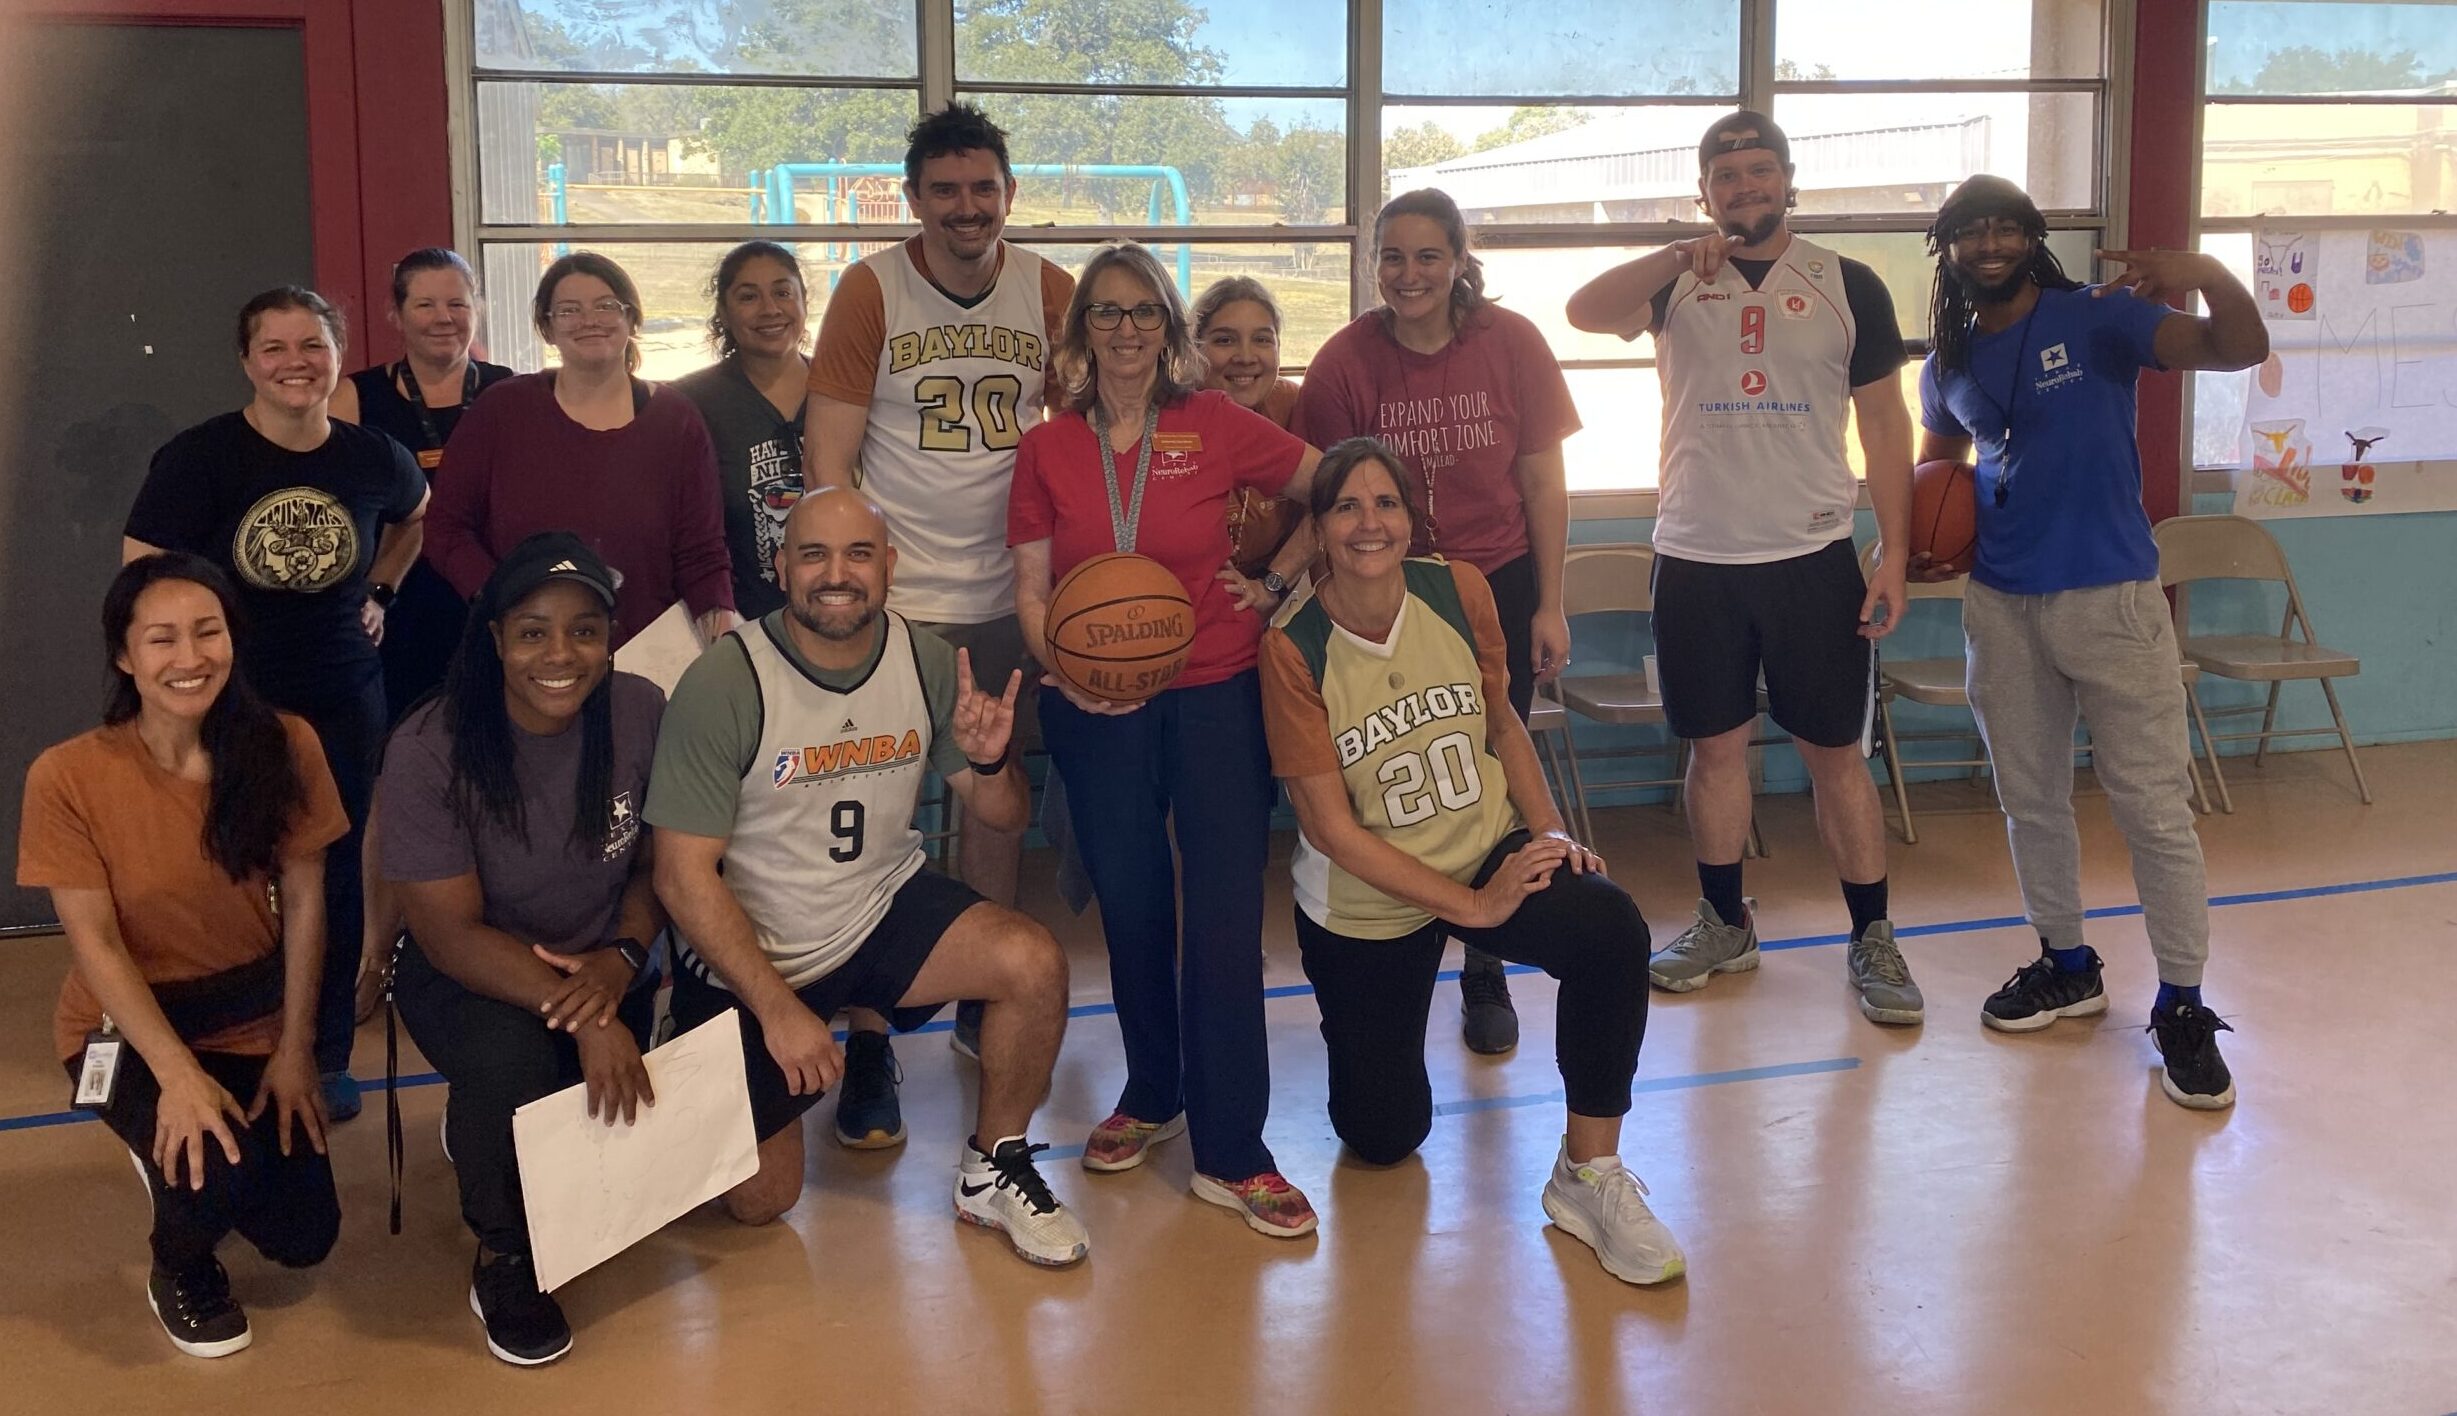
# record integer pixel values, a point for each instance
(485, 786)
(1951, 308)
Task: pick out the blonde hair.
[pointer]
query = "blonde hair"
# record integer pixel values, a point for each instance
(1181, 363)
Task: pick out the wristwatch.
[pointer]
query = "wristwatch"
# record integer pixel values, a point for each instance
(1273, 582)
(382, 593)
(632, 953)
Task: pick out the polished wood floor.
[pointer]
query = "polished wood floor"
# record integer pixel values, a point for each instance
(1932, 1220)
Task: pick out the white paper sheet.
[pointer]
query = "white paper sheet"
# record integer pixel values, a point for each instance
(662, 651)
(594, 1190)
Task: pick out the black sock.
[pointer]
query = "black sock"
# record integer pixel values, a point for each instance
(1720, 884)
(1866, 903)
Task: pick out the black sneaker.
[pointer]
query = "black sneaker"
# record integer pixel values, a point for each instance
(524, 1326)
(2194, 1075)
(966, 1038)
(197, 1311)
(1487, 1023)
(867, 1114)
(2039, 993)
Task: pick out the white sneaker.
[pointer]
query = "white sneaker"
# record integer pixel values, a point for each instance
(1601, 1204)
(1004, 1190)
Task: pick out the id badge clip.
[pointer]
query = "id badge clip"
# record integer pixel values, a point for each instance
(98, 1077)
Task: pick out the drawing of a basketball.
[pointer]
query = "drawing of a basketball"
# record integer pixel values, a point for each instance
(1119, 628)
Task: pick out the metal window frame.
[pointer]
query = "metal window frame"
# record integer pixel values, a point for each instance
(1366, 99)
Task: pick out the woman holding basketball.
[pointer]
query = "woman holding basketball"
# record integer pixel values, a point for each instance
(1138, 457)
(1424, 814)
(1472, 395)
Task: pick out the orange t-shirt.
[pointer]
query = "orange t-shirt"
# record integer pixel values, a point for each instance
(1280, 404)
(100, 814)
(852, 333)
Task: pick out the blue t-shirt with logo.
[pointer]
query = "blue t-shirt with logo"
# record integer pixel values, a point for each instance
(2070, 513)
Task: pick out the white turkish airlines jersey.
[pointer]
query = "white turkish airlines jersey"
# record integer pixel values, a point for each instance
(1757, 387)
(824, 836)
(956, 388)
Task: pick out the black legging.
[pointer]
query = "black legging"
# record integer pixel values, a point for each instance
(1514, 603)
(349, 719)
(1374, 994)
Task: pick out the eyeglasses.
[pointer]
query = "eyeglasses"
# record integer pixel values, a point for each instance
(606, 311)
(1999, 230)
(1145, 316)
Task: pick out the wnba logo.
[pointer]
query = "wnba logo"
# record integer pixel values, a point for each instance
(1753, 382)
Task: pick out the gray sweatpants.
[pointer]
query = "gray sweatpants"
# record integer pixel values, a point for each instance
(2108, 652)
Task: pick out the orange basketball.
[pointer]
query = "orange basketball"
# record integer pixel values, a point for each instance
(1119, 628)
(1945, 513)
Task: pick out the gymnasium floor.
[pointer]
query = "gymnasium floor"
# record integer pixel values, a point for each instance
(1941, 1220)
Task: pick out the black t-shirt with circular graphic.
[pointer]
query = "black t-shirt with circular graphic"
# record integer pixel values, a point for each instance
(295, 530)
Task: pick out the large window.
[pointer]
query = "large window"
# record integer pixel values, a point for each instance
(1256, 138)
(2333, 110)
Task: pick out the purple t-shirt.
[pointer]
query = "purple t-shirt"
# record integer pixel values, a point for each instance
(547, 889)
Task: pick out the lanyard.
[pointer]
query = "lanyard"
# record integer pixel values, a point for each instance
(1123, 520)
(408, 380)
(2004, 410)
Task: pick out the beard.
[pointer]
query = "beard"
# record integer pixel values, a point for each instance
(837, 625)
(1984, 293)
(1756, 230)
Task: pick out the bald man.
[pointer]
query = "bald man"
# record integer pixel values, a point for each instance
(787, 771)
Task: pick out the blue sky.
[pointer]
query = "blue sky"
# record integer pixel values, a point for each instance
(2244, 32)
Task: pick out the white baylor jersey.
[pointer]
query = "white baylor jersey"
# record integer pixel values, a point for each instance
(956, 388)
(1756, 392)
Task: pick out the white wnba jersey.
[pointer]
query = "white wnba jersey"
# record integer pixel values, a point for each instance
(1756, 390)
(824, 834)
(956, 388)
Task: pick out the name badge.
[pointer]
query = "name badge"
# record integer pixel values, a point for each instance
(1177, 442)
(430, 458)
(98, 1078)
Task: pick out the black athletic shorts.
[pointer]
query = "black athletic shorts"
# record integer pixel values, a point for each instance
(1798, 620)
(877, 977)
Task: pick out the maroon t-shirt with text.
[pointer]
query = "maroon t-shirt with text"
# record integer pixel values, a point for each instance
(1461, 418)
(1207, 448)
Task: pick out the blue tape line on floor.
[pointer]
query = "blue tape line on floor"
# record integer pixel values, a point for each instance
(1806, 941)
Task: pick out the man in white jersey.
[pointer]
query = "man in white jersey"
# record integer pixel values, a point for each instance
(788, 766)
(1766, 345)
(928, 370)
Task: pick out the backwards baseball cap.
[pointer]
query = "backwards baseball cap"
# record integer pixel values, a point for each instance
(1740, 131)
(544, 557)
(1984, 198)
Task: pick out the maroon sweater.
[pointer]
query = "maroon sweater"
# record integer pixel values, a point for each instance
(644, 495)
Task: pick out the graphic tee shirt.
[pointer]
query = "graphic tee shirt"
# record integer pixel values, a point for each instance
(1757, 370)
(951, 385)
(1207, 448)
(1403, 723)
(296, 531)
(540, 885)
(1461, 417)
(2069, 470)
(101, 814)
(810, 777)
(759, 471)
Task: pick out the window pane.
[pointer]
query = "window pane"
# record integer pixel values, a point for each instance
(1538, 283)
(2218, 399)
(852, 38)
(1464, 48)
(674, 300)
(1550, 162)
(1980, 39)
(1309, 280)
(1292, 43)
(2283, 47)
(1901, 260)
(1243, 161)
(2310, 159)
(664, 153)
(1902, 152)
(1620, 446)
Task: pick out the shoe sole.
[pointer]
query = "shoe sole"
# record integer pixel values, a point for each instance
(223, 1348)
(984, 1221)
(2193, 1100)
(1892, 1017)
(1169, 1130)
(1211, 1191)
(501, 1355)
(955, 1044)
(870, 1140)
(1574, 1224)
(2086, 1008)
(1742, 962)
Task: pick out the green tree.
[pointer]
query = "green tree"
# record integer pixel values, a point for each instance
(2305, 68)
(1788, 71)
(1310, 171)
(1420, 146)
(1525, 123)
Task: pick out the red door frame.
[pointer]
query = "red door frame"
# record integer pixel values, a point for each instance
(2166, 97)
